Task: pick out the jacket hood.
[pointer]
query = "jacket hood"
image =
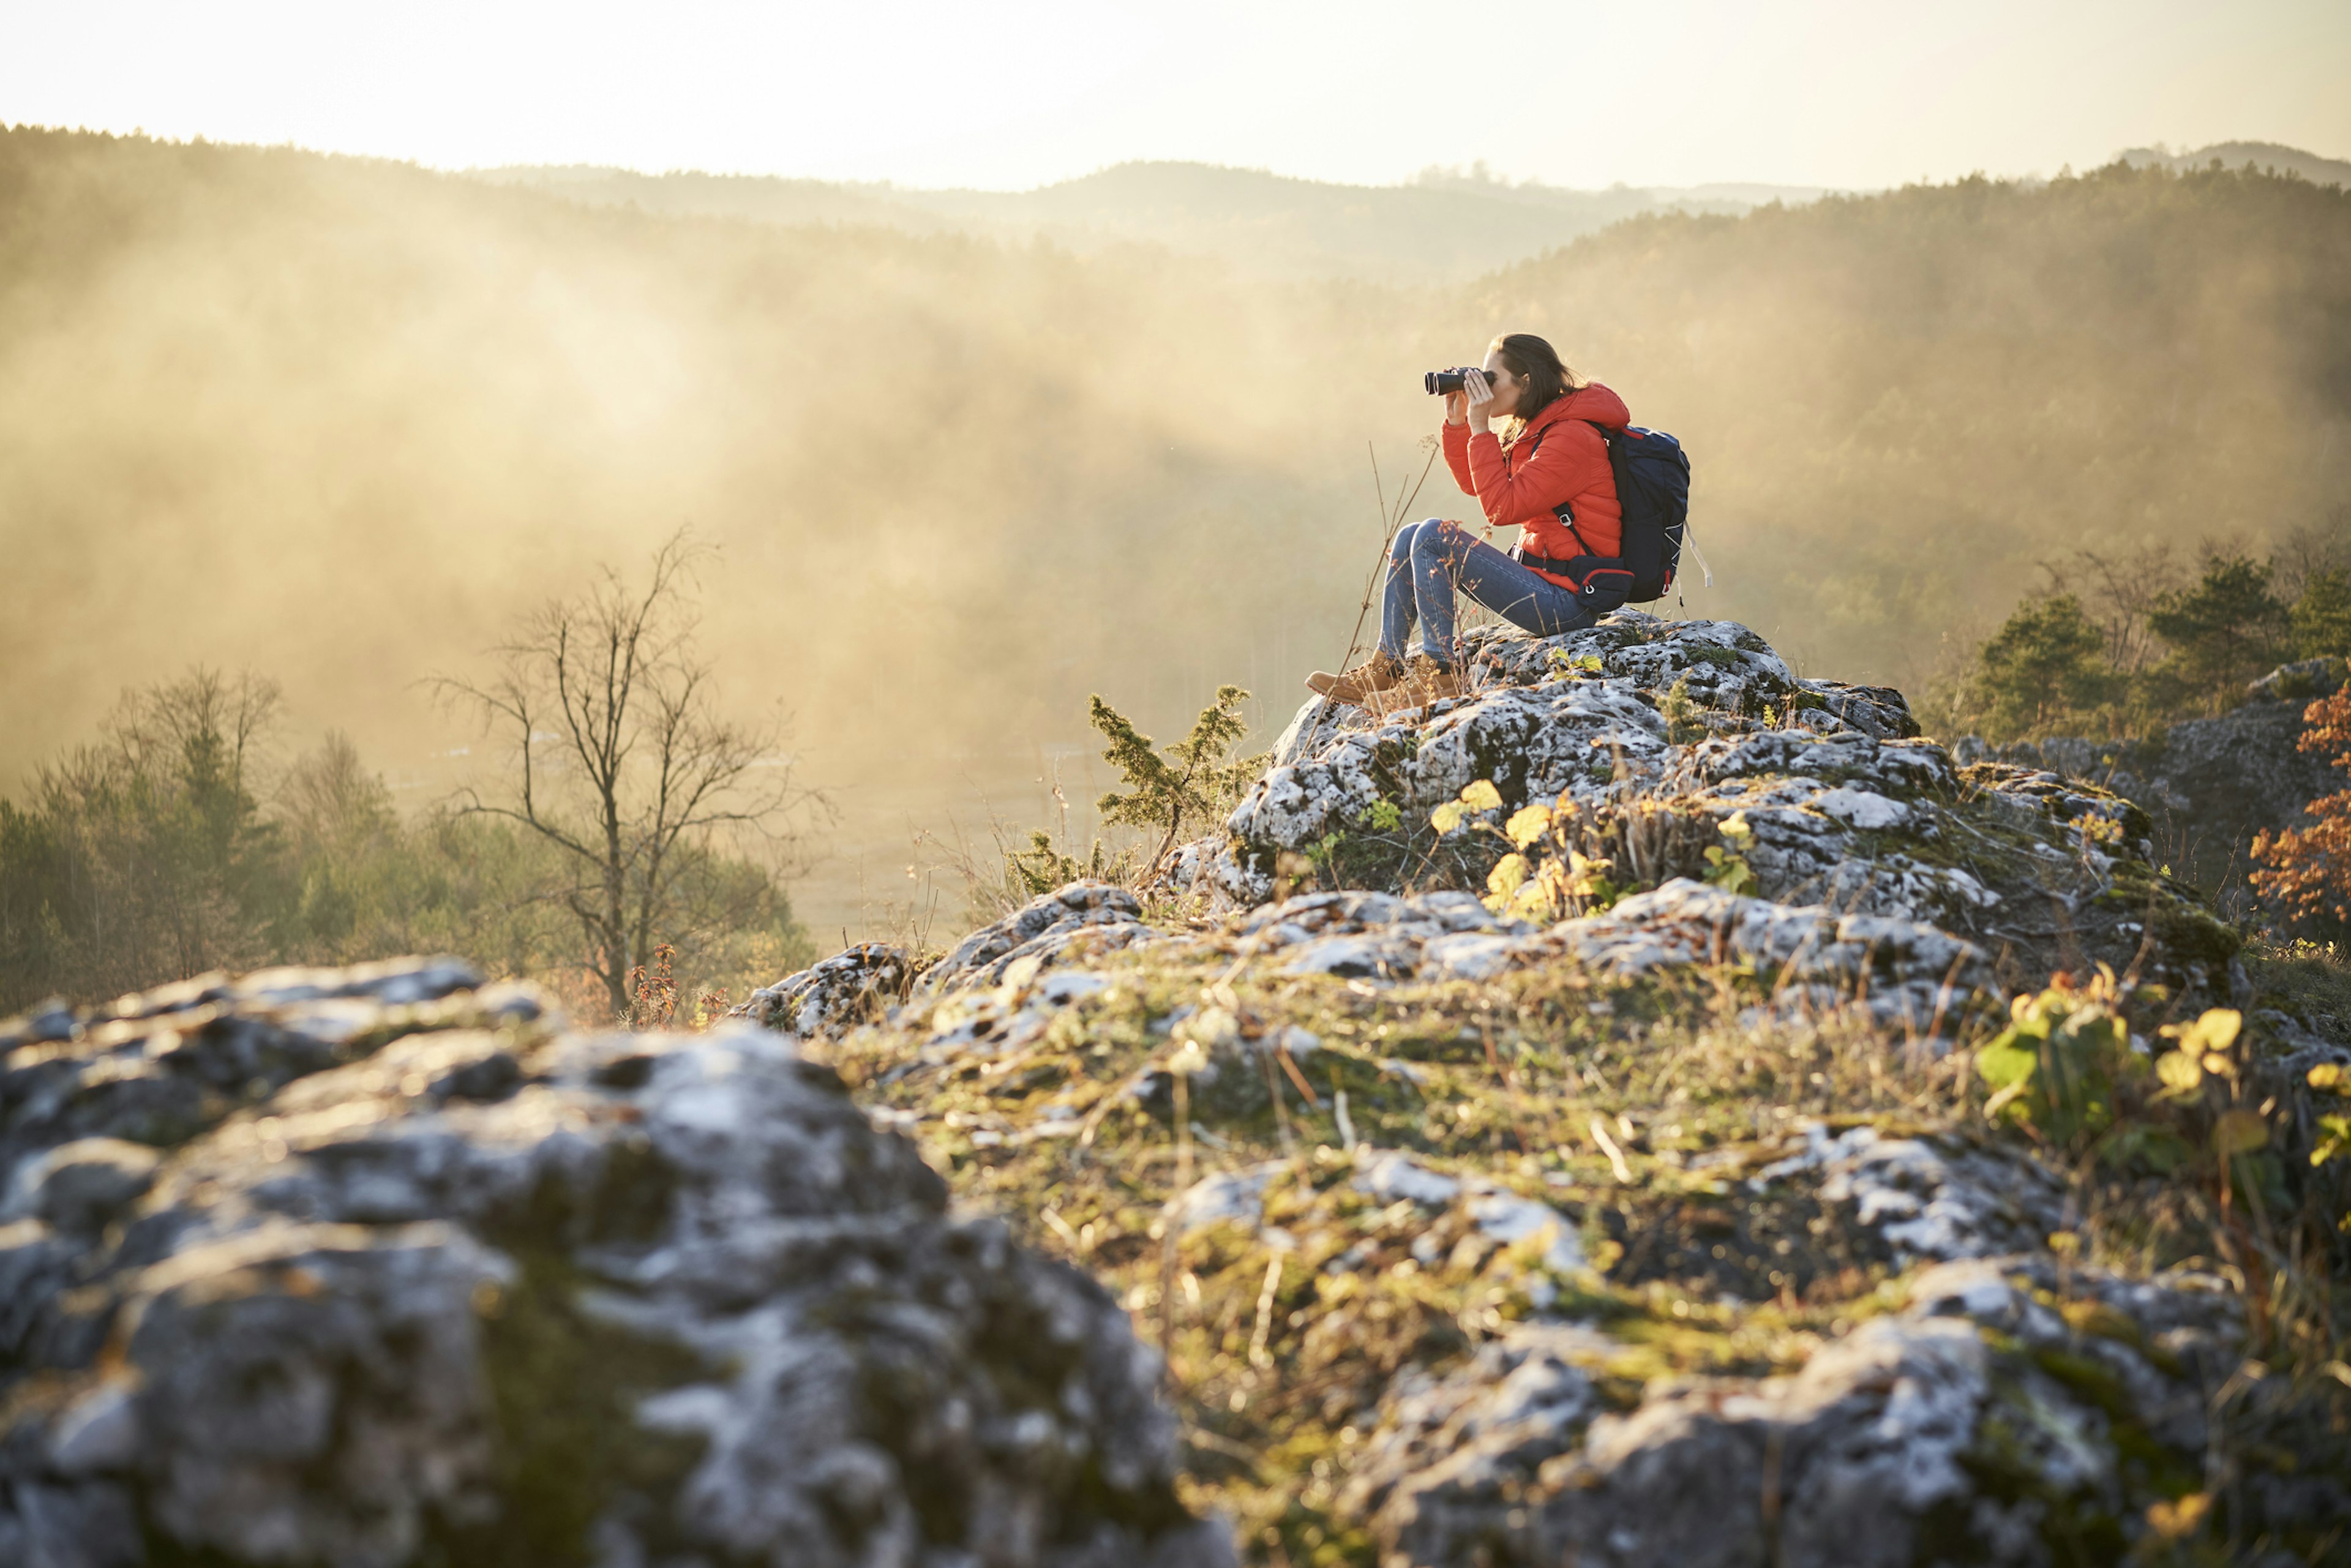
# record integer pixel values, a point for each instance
(1594, 402)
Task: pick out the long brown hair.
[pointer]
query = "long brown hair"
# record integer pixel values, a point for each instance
(1538, 364)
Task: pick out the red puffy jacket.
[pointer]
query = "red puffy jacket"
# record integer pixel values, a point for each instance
(1526, 484)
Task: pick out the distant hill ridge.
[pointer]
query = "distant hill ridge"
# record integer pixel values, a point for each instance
(2269, 155)
(1443, 226)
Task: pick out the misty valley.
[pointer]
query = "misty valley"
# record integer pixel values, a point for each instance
(671, 891)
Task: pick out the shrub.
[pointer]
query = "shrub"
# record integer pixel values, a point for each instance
(1197, 781)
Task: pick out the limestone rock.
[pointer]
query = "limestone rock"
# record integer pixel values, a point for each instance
(1718, 664)
(1907, 973)
(378, 1268)
(1089, 916)
(1693, 728)
(855, 986)
(1929, 1198)
(1912, 1439)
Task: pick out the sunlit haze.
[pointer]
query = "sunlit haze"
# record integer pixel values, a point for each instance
(1826, 92)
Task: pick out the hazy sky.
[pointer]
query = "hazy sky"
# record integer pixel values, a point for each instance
(1019, 92)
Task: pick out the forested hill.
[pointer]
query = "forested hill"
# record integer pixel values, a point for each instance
(2268, 156)
(339, 419)
(1900, 402)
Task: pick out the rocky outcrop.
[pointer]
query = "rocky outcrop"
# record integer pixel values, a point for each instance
(1549, 1132)
(1522, 1049)
(1959, 1428)
(2209, 785)
(378, 1267)
(1952, 1431)
(1672, 740)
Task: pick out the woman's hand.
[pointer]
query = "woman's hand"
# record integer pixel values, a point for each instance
(1479, 392)
(1457, 407)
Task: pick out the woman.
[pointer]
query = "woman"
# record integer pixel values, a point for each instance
(1552, 459)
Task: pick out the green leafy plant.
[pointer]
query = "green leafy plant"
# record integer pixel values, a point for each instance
(2055, 1069)
(1726, 866)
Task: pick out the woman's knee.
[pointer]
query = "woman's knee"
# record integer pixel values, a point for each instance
(1439, 540)
(1401, 548)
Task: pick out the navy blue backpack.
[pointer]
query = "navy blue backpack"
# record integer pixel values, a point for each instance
(1652, 486)
(1653, 477)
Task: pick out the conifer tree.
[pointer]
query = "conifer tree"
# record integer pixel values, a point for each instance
(1192, 782)
(2322, 616)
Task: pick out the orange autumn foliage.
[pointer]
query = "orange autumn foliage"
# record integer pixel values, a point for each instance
(2309, 869)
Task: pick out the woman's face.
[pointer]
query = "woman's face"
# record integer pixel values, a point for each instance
(1507, 387)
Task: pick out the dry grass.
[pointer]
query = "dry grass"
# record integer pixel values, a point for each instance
(1637, 1109)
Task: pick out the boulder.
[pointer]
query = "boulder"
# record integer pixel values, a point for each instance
(858, 985)
(1951, 1431)
(379, 1266)
(1085, 917)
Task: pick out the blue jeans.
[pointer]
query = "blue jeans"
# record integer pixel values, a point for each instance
(1430, 560)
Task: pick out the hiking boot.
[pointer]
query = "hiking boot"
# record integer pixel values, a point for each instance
(1377, 673)
(1425, 681)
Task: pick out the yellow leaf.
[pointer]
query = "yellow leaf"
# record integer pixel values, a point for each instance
(2219, 1026)
(2178, 1071)
(1735, 826)
(1445, 817)
(2215, 1030)
(2216, 1064)
(2240, 1132)
(1534, 901)
(1482, 795)
(1528, 824)
(2327, 1075)
(1506, 877)
(2172, 1521)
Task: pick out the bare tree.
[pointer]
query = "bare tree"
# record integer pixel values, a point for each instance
(620, 758)
(2305, 552)
(2119, 590)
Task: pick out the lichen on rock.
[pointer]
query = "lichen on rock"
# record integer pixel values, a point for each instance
(380, 1268)
(1847, 807)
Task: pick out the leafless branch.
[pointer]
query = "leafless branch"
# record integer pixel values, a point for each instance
(638, 774)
